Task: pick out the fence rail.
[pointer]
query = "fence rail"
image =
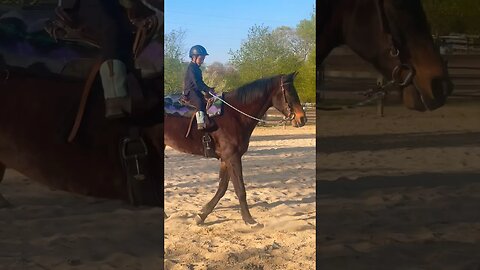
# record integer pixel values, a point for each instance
(345, 75)
(458, 43)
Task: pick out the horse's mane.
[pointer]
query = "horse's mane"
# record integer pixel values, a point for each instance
(253, 90)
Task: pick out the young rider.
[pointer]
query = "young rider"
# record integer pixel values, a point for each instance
(195, 88)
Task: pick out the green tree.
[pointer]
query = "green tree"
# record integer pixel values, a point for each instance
(174, 66)
(282, 50)
(222, 77)
(306, 80)
(263, 55)
(447, 16)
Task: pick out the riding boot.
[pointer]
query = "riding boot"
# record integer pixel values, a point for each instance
(204, 122)
(201, 125)
(118, 103)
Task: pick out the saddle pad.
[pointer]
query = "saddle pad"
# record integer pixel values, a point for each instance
(25, 44)
(174, 107)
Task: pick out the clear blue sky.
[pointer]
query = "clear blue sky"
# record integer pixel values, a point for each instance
(221, 25)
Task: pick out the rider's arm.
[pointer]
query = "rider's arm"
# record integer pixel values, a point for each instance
(198, 79)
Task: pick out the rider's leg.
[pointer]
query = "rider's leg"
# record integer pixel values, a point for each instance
(108, 21)
(198, 101)
(113, 73)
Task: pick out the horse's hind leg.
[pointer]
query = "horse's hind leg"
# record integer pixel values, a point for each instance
(3, 202)
(234, 165)
(222, 188)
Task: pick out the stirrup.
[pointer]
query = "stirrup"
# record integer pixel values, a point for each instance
(134, 149)
(208, 146)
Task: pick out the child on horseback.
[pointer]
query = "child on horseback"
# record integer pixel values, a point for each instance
(194, 86)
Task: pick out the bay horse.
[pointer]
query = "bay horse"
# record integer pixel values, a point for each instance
(232, 137)
(394, 36)
(37, 112)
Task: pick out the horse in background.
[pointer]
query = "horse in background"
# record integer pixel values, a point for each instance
(394, 36)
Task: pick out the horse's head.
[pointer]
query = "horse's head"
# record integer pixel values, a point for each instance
(286, 101)
(411, 41)
(399, 43)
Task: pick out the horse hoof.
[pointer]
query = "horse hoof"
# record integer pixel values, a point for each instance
(198, 220)
(255, 225)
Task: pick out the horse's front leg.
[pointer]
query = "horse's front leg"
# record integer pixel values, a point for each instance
(234, 165)
(3, 202)
(222, 188)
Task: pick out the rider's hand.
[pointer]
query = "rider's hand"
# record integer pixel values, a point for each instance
(212, 90)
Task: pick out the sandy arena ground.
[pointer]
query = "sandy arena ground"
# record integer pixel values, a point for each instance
(399, 192)
(49, 229)
(279, 172)
(56, 230)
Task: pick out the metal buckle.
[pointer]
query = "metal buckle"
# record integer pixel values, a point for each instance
(396, 75)
(207, 146)
(126, 156)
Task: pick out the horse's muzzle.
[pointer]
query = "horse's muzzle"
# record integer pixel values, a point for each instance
(299, 121)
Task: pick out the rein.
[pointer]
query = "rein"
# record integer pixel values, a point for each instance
(233, 107)
(378, 92)
(289, 117)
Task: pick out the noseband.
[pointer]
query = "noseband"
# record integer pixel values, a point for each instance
(291, 114)
(394, 51)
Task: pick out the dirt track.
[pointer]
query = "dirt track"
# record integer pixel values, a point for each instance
(279, 172)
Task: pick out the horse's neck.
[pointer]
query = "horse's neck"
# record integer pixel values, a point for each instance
(255, 108)
(367, 40)
(330, 29)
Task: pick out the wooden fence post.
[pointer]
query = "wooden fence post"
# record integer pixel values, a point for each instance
(380, 101)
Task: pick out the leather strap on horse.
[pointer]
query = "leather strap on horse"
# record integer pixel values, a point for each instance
(146, 28)
(83, 102)
(190, 126)
(143, 184)
(385, 27)
(64, 28)
(209, 104)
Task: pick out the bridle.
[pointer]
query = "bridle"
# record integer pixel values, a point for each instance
(381, 90)
(290, 113)
(394, 51)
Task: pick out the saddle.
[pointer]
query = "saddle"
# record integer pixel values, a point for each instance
(177, 105)
(31, 38)
(64, 28)
(143, 187)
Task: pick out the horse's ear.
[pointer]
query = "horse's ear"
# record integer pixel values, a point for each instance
(293, 75)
